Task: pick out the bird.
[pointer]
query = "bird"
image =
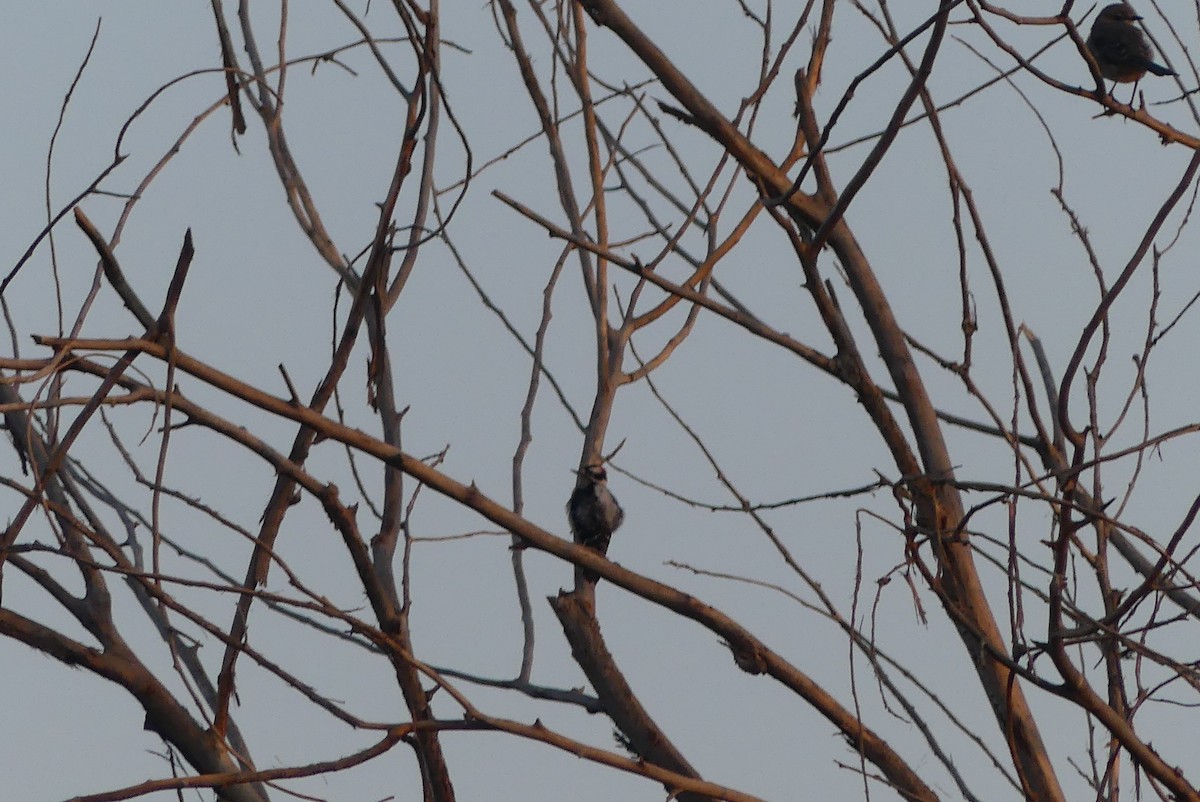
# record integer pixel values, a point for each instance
(593, 512)
(1120, 48)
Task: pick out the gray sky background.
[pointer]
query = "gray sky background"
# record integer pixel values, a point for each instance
(257, 296)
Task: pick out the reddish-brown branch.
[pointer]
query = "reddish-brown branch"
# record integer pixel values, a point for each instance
(753, 651)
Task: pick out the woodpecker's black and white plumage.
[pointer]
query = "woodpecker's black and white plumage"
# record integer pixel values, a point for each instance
(593, 512)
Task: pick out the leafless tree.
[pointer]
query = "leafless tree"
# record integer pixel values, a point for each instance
(1017, 516)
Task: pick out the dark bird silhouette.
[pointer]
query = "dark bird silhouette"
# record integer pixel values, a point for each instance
(593, 512)
(1120, 48)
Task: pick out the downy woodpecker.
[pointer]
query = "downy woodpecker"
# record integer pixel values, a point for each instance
(593, 512)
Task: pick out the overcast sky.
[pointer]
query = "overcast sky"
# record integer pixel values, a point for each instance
(258, 297)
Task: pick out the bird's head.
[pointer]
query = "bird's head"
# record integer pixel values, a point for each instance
(595, 473)
(1119, 12)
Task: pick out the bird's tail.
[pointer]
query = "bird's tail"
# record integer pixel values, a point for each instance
(1159, 69)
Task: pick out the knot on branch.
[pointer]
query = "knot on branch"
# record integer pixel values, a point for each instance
(748, 657)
